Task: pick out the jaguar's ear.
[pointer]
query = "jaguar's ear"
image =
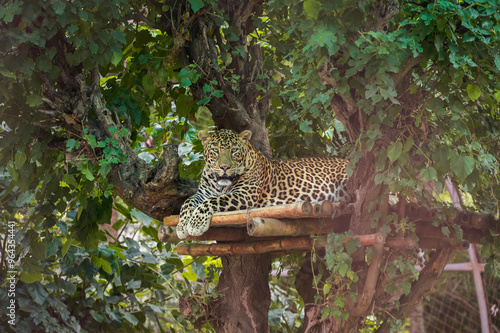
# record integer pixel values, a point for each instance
(245, 136)
(204, 137)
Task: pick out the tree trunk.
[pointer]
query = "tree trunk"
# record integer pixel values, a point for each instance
(245, 304)
(244, 279)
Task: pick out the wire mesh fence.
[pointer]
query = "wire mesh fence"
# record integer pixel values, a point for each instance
(454, 305)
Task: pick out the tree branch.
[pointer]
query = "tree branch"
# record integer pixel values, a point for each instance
(421, 287)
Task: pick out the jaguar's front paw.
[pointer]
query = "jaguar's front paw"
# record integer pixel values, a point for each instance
(197, 227)
(181, 230)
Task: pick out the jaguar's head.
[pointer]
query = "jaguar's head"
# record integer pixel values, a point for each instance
(225, 154)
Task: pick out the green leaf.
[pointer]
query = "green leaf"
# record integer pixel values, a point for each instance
(92, 141)
(342, 268)
(97, 316)
(52, 247)
(305, 126)
(207, 88)
(106, 266)
(34, 100)
(68, 286)
(134, 284)
(196, 5)
(339, 301)
(408, 144)
(312, 7)
(70, 144)
(70, 179)
(149, 84)
(38, 292)
(167, 268)
(66, 246)
(406, 286)
(394, 150)
(184, 105)
(326, 288)
(123, 132)
(130, 317)
(146, 220)
(436, 104)
(188, 76)
(274, 317)
(30, 277)
(24, 198)
(113, 314)
(352, 245)
(116, 58)
(462, 166)
(473, 91)
(148, 258)
(105, 169)
(88, 174)
(20, 159)
(156, 308)
(428, 174)
(44, 63)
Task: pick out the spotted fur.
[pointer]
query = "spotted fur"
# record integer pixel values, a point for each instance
(237, 176)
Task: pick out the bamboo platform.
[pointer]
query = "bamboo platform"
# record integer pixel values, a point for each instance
(280, 229)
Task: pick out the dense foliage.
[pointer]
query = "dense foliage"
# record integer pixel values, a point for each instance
(422, 89)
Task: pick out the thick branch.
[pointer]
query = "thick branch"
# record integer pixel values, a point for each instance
(157, 190)
(364, 300)
(421, 287)
(245, 108)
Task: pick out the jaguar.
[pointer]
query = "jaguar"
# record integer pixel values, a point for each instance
(237, 176)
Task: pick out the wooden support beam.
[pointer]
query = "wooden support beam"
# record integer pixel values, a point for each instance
(267, 226)
(240, 217)
(304, 243)
(296, 210)
(298, 243)
(400, 243)
(168, 234)
(261, 227)
(475, 220)
(426, 230)
(439, 243)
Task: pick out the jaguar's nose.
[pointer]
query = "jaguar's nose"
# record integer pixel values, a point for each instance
(224, 167)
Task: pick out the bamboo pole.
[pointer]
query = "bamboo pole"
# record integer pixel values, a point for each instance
(260, 227)
(475, 220)
(168, 234)
(439, 243)
(240, 217)
(296, 210)
(299, 243)
(400, 243)
(302, 243)
(426, 230)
